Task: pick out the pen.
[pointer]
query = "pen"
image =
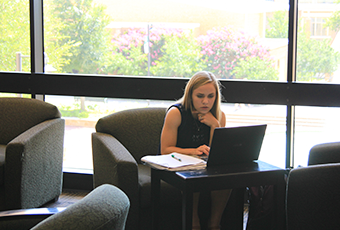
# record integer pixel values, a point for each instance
(173, 156)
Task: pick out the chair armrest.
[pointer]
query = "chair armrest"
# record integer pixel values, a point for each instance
(33, 165)
(113, 164)
(25, 218)
(106, 207)
(312, 200)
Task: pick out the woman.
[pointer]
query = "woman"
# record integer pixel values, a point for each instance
(188, 129)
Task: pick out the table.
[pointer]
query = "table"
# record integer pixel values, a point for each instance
(223, 177)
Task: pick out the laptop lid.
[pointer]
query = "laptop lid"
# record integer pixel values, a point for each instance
(234, 145)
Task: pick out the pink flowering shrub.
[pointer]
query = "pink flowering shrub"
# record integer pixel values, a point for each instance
(223, 49)
(176, 52)
(129, 56)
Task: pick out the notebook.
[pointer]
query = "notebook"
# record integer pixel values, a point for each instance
(236, 145)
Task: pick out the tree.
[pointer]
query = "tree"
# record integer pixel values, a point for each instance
(255, 68)
(15, 34)
(315, 59)
(278, 25)
(181, 57)
(333, 22)
(58, 52)
(85, 29)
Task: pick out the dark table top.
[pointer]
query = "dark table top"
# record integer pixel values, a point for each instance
(237, 175)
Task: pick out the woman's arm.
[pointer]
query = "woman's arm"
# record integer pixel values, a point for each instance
(169, 135)
(212, 122)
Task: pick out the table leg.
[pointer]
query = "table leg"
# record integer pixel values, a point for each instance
(232, 218)
(187, 204)
(155, 198)
(279, 191)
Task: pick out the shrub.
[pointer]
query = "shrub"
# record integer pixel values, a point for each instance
(224, 49)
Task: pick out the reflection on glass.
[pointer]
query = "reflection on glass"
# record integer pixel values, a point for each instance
(15, 36)
(318, 46)
(314, 125)
(234, 39)
(81, 114)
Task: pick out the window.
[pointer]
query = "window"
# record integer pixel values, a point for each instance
(318, 27)
(314, 125)
(167, 38)
(317, 48)
(92, 64)
(15, 36)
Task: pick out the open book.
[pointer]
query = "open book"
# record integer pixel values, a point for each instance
(174, 162)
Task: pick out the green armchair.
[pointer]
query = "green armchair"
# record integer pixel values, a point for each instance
(31, 153)
(312, 199)
(106, 207)
(120, 141)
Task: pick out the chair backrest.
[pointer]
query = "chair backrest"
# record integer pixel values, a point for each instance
(138, 130)
(324, 154)
(312, 200)
(19, 114)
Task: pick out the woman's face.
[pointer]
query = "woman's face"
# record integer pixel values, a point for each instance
(203, 98)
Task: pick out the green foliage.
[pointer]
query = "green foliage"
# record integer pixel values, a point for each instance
(119, 64)
(85, 34)
(181, 57)
(224, 49)
(58, 53)
(255, 68)
(173, 52)
(278, 25)
(315, 58)
(14, 34)
(74, 113)
(333, 22)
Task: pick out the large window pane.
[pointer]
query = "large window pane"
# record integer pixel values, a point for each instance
(233, 39)
(81, 115)
(273, 149)
(318, 46)
(314, 125)
(14, 36)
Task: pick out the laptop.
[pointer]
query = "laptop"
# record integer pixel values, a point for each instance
(234, 145)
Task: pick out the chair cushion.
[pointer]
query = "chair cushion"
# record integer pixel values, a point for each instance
(170, 196)
(2, 163)
(19, 114)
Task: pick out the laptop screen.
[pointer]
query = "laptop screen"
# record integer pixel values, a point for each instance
(231, 145)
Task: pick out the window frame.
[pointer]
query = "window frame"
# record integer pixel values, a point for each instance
(288, 93)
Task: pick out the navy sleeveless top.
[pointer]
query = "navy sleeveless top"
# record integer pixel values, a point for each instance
(191, 132)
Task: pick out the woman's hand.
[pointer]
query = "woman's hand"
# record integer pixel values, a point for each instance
(203, 149)
(209, 120)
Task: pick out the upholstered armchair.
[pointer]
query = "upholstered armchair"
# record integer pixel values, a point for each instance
(106, 207)
(120, 141)
(313, 192)
(31, 153)
(324, 153)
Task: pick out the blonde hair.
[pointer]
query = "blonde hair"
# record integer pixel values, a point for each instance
(197, 80)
